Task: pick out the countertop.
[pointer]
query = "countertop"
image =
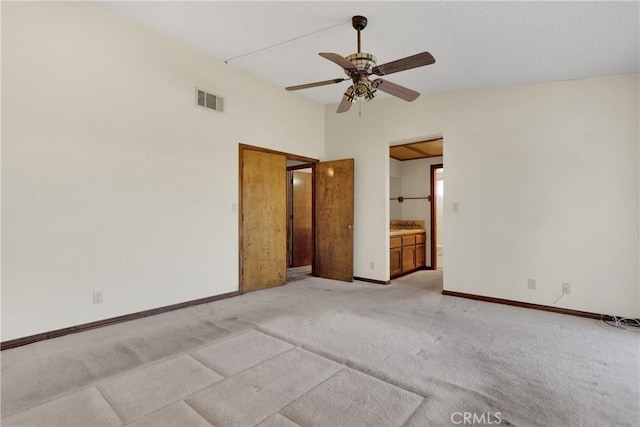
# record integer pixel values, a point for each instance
(403, 232)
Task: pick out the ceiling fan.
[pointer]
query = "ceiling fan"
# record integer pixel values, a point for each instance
(359, 66)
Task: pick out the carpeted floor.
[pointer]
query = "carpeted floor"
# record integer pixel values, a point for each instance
(327, 353)
(298, 273)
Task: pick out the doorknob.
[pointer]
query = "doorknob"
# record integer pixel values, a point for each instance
(349, 226)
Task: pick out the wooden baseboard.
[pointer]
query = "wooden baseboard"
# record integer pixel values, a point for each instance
(523, 304)
(111, 321)
(378, 282)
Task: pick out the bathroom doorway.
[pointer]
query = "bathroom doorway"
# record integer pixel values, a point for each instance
(437, 211)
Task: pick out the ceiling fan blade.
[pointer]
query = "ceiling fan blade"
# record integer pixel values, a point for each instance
(395, 90)
(344, 106)
(414, 61)
(322, 83)
(341, 61)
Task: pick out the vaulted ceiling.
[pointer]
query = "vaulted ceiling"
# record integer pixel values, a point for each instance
(476, 44)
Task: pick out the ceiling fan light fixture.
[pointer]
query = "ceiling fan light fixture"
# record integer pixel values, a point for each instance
(349, 95)
(357, 91)
(364, 90)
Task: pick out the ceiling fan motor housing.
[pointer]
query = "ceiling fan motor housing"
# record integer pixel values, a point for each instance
(359, 22)
(364, 63)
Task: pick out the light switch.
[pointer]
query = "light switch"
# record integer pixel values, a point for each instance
(456, 207)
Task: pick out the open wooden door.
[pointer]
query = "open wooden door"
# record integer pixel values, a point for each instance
(333, 208)
(263, 262)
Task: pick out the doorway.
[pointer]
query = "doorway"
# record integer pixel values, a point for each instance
(299, 222)
(263, 219)
(437, 212)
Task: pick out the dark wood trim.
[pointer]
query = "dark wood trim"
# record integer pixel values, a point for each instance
(289, 218)
(298, 167)
(378, 282)
(241, 147)
(313, 217)
(111, 321)
(432, 225)
(523, 304)
(289, 156)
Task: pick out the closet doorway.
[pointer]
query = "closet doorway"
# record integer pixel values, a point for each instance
(299, 221)
(262, 218)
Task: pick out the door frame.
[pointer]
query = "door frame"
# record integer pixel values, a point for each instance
(433, 207)
(241, 148)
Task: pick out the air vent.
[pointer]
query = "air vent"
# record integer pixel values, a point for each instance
(208, 100)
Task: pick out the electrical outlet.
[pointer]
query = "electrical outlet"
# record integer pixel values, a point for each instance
(97, 297)
(456, 207)
(372, 265)
(566, 288)
(532, 284)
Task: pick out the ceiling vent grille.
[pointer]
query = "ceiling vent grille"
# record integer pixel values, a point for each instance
(209, 100)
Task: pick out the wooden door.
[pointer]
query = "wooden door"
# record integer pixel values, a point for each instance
(263, 262)
(333, 207)
(302, 219)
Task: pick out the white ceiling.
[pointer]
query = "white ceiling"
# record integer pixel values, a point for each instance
(476, 44)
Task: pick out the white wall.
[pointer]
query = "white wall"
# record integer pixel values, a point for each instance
(112, 180)
(546, 178)
(395, 168)
(395, 188)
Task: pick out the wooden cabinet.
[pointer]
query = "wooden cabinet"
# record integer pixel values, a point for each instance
(408, 253)
(408, 258)
(396, 261)
(395, 244)
(421, 255)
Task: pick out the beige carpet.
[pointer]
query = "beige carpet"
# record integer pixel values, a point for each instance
(326, 353)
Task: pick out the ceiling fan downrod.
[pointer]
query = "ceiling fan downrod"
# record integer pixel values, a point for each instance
(359, 23)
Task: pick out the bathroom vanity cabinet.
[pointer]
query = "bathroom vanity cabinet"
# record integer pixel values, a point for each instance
(407, 250)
